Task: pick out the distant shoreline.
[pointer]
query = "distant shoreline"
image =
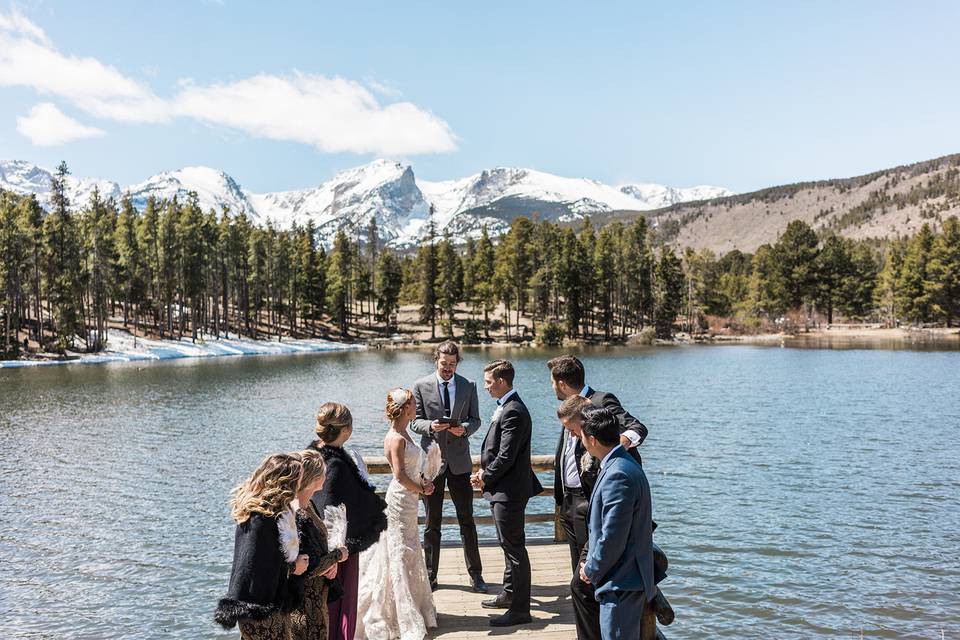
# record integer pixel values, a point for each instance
(121, 344)
(840, 333)
(121, 348)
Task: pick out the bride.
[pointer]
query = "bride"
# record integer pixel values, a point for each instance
(395, 600)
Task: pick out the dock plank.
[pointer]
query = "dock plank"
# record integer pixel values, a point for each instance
(460, 616)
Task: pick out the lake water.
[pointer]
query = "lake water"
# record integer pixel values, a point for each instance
(800, 492)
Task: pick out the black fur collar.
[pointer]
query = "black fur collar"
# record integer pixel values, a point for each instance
(329, 451)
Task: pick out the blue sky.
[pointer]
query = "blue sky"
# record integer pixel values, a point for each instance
(282, 95)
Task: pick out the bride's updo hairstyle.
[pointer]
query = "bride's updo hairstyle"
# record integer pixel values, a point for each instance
(332, 418)
(397, 399)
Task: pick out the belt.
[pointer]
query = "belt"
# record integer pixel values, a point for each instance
(573, 491)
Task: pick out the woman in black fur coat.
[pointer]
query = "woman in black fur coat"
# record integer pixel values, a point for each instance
(366, 517)
(266, 552)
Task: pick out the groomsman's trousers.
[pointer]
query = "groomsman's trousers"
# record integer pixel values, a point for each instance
(508, 519)
(462, 494)
(573, 521)
(621, 614)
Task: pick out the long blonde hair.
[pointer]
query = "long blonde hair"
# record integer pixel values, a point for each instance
(275, 483)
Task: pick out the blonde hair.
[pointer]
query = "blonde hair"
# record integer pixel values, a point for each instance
(397, 399)
(573, 406)
(332, 417)
(275, 483)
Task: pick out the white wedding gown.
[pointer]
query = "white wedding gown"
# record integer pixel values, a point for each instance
(395, 601)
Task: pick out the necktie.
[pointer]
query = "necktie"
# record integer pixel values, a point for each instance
(446, 399)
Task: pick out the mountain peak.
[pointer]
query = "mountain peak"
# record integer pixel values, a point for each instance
(384, 190)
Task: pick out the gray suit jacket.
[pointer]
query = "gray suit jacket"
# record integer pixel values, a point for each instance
(455, 450)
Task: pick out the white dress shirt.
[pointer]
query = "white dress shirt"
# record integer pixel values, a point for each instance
(606, 458)
(451, 387)
(571, 478)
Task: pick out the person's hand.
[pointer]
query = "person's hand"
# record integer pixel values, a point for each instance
(331, 572)
(476, 480)
(626, 442)
(457, 431)
(437, 426)
(301, 564)
(344, 554)
(427, 488)
(583, 576)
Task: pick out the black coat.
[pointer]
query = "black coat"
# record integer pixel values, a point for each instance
(259, 583)
(505, 456)
(366, 511)
(627, 423)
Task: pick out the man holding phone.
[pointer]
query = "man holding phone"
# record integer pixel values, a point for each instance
(448, 413)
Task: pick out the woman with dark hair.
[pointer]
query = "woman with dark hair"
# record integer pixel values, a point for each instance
(346, 484)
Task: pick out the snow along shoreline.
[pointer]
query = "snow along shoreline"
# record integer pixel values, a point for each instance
(120, 349)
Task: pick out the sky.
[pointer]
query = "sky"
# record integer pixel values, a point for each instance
(280, 96)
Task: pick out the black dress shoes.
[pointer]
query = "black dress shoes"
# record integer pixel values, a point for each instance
(502, 601)
(509, 619)
(478, 585)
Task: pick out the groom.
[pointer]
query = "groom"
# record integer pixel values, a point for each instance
(508, 482)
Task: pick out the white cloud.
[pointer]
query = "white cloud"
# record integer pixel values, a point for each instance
(28, 59)
(331, 114)
(47, 126)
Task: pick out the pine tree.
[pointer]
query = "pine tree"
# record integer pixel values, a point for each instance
(859, 287)
(450, 281)
(734, 285)
(887, 294)
(483, 270)
(169, 261)
(470, 275)
(834, 268)
(63, 275)
(389, 283)
(796, 262)
(765, 297)
(668, 292)
(14, 251)
(604, 269)
(943, 283)
(30, 220)
(427, 259)
(913, 295)
(338, 282)
(192, 260)
(571, 280)
(98, 224)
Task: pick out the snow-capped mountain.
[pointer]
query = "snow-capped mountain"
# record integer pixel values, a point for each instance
(383, 190)
(215, 190)
(386, 191)
(656, 196)
(24, 178)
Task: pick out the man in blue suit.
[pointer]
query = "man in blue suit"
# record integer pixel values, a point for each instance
(620, 558)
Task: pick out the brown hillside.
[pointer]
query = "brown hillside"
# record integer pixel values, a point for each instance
(884, 204)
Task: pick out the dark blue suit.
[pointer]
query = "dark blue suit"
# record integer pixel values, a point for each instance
(620, 559)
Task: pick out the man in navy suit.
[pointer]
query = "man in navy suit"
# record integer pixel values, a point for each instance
(619, 561)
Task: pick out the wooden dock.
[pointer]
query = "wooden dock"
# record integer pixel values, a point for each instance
(460, 616)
